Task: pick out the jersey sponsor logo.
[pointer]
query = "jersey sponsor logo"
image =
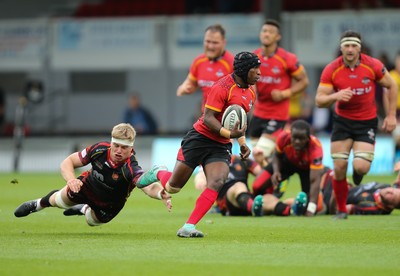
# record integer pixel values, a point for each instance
(269, 79)
(362, 90)
(353, 76)
(98, 176)
(205, 83)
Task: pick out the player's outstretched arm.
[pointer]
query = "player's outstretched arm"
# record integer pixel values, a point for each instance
(156, 191)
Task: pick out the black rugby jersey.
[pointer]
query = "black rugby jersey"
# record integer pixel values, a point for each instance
(109, 182)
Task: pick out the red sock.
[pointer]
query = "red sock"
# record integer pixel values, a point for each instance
(250, 205)
(341, 191)
(164, 176)
(203, 203)
(259, 184)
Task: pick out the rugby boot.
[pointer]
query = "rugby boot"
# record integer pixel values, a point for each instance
(257, 208)
(300, 204)
(26, 208)
(75, 210)
(340, 216)
(185, 232)
(150, 176)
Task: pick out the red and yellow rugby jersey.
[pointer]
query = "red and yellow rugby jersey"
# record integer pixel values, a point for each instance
(224, 93)
(309, 158)
(361, 80)
(206, 72)
(276, 73)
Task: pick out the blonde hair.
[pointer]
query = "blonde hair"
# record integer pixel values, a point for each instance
(124, 131)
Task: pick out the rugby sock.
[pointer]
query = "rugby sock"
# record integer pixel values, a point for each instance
(341, 190)
(245, 201)
(163, 176)
(357, 178)
(45, 201)
(282, 209)
(203, 203)
(38, 206)
(260, 183)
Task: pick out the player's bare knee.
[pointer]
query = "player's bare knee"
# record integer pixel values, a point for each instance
(362, 161)
(361, 169)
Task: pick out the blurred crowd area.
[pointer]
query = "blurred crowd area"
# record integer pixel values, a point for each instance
(302, 106)
(124, 8)
(185, 7)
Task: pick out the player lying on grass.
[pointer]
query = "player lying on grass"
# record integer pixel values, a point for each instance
(296, 151)
(235, 198)
(101, 192)
(372, 198)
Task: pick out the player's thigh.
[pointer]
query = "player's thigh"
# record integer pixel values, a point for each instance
(341, 146)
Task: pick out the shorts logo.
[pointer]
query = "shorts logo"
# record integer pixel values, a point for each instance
(371, 134)
(272, 125)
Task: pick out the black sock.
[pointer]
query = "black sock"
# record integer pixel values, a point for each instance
(243, 199)
(44, 202)
(357, 178)
(282, 209)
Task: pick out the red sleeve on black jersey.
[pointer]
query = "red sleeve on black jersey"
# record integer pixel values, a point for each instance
(87, 154)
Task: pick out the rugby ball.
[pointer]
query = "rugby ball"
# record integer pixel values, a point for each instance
(233, 114)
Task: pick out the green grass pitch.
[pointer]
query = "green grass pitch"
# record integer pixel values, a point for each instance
(142, 240)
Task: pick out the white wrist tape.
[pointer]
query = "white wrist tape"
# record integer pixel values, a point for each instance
(312, 207)
(159, 194)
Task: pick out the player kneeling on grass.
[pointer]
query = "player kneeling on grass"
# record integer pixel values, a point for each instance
(101, 192)
(296, 152)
